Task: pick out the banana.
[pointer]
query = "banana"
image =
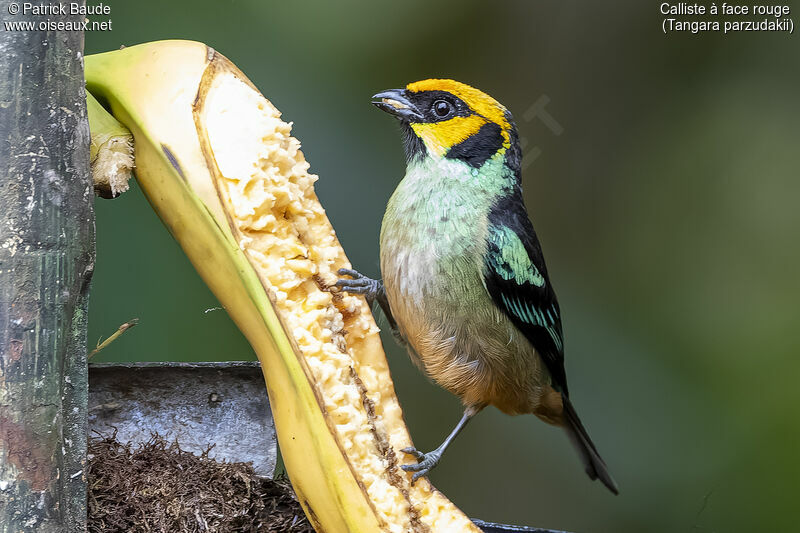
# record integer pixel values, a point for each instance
(232, 186)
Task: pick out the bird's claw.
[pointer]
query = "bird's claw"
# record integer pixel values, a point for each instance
(425, 462)
(413, 451)
(372, 290)
(359, 284)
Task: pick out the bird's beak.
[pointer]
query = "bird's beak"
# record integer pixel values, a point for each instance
(396, 102)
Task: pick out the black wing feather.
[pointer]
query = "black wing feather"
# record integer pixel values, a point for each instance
(527, 298)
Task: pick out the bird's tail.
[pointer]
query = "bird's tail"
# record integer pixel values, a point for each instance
(592, 462)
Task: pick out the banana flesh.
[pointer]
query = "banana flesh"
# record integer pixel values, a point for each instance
(222, 170)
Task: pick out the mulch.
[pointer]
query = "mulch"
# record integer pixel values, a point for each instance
(157, 487)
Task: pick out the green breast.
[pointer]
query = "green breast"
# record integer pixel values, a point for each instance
(433, 237)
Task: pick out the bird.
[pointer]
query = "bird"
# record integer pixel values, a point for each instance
(464, 283)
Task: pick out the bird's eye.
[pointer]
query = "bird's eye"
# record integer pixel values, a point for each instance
(442, 108)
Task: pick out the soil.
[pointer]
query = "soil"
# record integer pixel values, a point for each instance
(159, 488)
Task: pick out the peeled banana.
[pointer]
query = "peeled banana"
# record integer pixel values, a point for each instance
(230, 182)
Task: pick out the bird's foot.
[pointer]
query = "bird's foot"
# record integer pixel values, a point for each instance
(373, 290)
(359, 284)
(425, 462)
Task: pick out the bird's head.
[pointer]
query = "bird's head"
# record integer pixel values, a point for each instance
(450, 119)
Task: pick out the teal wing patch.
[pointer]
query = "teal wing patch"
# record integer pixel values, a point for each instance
(509, 258)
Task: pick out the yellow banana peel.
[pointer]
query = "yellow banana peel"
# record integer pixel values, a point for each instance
(225, 175)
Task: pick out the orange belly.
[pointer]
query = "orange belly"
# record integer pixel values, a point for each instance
(477, 354)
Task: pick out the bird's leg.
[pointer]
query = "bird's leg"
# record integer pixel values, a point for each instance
(372, 289)
(427, 461)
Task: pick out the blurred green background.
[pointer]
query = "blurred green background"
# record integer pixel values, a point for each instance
(667, 208)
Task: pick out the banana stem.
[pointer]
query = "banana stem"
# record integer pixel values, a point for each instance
(111, 151)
